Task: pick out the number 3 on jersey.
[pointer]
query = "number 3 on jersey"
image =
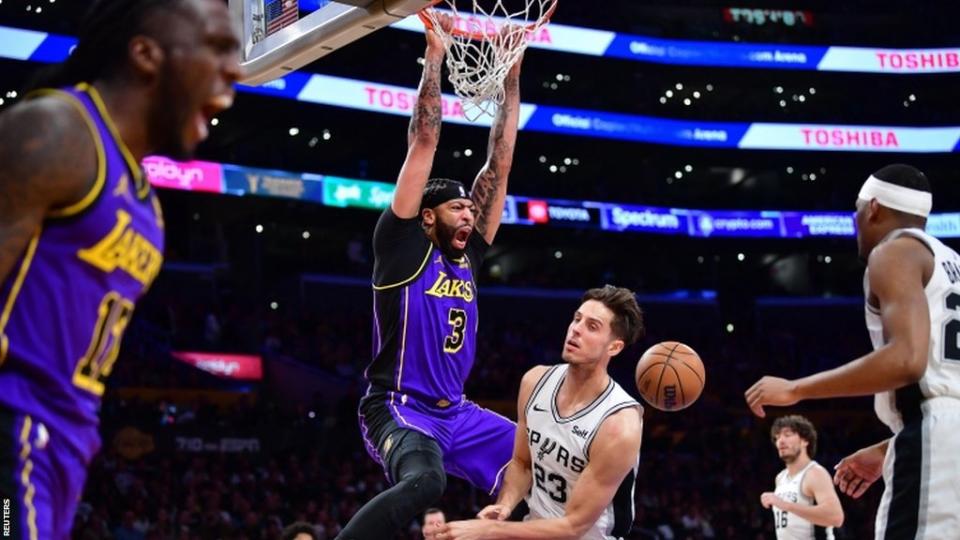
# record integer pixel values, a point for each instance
(113, 315)
(458, 323)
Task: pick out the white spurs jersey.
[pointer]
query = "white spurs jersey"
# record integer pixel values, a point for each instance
(942, 375)
(560, 451)
(791, 526)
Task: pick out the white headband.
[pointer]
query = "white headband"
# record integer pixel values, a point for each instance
(904, 199)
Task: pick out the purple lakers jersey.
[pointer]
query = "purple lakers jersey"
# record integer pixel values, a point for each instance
(425, 323)
(68, 300)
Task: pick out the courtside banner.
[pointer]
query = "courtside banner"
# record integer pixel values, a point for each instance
(229, 366)
(187, 176)
(396, 100)
(894, 61)
(631, 127)
(592, 42)
(272, 183)
(844, 138)
(519, 210)
(387, 98)
(19, 44)
(390, 99)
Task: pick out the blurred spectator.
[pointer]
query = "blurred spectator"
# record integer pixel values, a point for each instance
(433, 519)
(299, 531)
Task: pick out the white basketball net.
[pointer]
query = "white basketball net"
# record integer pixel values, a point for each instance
(496, 38)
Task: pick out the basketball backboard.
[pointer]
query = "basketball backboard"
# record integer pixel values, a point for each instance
(293, 42)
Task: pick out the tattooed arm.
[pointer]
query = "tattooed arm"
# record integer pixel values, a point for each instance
(490, 188)
(49, 161)
(423, 135)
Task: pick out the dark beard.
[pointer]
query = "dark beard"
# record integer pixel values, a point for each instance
(787, 460)
(445, 239)
(168, 119)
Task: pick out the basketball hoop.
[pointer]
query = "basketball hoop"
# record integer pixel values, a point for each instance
(487, 39)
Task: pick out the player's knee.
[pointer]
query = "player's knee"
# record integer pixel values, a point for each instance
(432, 484)
(426, 486)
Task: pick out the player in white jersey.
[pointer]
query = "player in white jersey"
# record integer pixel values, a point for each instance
(577, 448)
(912, 288)
(805, 505)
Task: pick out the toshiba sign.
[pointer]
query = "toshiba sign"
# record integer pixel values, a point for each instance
(850, 138)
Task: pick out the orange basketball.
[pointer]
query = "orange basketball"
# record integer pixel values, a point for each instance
(670, 376)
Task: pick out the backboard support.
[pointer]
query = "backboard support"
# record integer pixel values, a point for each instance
(334, 25)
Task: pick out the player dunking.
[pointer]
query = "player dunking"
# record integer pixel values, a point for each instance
(912, 289)
(428, 247)
(805, 505)
(577, 446)
(81, 233)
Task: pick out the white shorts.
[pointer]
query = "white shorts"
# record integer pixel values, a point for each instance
(921, 473)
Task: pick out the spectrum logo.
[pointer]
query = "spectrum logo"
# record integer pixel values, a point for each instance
(646, 219)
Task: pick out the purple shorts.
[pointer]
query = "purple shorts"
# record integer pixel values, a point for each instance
(41, 480)
(477, 443)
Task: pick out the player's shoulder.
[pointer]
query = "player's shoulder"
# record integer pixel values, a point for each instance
(905, 248)
(781, 476)
(42, 114)
(900, 260)
(533, 376)
(529, 384)
(47, 138)
(624, 424)
(817, 470)
(619, 397)
(816, 475)
(536, 372)
(618, 437)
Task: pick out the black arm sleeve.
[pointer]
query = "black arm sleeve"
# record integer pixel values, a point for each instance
(399, 247)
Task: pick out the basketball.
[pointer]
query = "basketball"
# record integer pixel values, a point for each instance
(670, 376)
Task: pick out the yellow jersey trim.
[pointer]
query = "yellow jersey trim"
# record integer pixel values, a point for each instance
(101, 178)
(14, 292)
(28, 488)
(409, 279)
(403, 339)
(143, 186)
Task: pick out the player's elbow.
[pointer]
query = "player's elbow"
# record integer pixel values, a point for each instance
(913, 362)
(578, 527)
(917, 366)
(836, 519)
(833, 517)
(576, 533)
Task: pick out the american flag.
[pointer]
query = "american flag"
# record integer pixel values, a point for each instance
(280, 13)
